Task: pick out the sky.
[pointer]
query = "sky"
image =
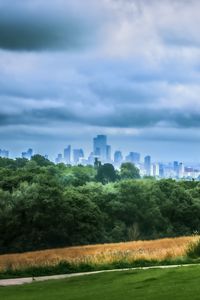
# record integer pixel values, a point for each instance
(70, 70)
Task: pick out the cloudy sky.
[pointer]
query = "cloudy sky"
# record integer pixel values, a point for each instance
(126, 68)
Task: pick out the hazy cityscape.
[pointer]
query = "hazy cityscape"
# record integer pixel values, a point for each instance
(102, 151)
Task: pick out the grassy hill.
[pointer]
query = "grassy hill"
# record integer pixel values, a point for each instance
(157, 284)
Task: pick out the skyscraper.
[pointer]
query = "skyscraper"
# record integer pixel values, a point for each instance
(118, 158)
(176, 168)
(108, 153)
(67, 155)
(147, 165)
(59, 158)
(133, 157)
(100, 147)
(155, 170)
(78, 154)
(181, 171)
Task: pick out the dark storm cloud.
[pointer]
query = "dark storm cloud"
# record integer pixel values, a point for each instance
(119, 118)
(36, 117)
(42, 25)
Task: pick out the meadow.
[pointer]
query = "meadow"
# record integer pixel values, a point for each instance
(156, 250)
(155, 284)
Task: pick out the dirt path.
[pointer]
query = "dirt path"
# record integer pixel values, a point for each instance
(20, 281)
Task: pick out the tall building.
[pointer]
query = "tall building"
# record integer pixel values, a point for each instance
(161, 170)
(118, 158)
(100, 147)
(181, 171)
(176, 168)
(67, 155)
(108, 153)
(78, 154)
(133, 157)
(155, 170)
(59, 158)
(91, 159)
(147, 165)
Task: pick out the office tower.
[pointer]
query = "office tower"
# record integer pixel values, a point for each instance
(176, 168)
(67, 155)
(118, 158)
(100, 147)
(155, 170)
(133, 157)
(147, 165)
(161, 170)
(181, 170)
(28, 154)
(91, 159)
(4, 153)
(78, 154)
(108, 153)
(59, 158)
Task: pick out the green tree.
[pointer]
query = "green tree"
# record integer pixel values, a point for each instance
(129, 171)
(106, 173)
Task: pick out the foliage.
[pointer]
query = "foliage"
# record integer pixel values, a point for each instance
(129, 171)
(106, 173)
(43, 205)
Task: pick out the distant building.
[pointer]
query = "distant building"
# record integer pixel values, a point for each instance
(91, 159)
(181, 171)
(78, 154)
(147, 165)
(118, 158)
(100, 147)
(155, 170)
(176, 168)
(161, 170)
(67, 155)
(133, 157)
(59, 158)
(108, 153)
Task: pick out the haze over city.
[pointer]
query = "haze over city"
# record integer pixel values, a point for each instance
(127, 69)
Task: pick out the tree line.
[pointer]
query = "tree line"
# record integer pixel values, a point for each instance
(43, 205)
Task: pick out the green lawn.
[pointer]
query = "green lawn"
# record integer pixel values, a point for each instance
(168, 284)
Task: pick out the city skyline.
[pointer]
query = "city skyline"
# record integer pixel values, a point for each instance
(99, 149)
(102, 153)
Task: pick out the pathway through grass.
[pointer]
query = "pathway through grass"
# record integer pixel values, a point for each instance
(153, 284)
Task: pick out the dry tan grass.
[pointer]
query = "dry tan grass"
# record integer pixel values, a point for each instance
(105, 253)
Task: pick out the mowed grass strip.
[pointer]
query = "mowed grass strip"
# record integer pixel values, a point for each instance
(180, 283)
(162, 249)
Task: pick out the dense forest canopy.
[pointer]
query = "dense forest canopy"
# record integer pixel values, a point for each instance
(43, 205)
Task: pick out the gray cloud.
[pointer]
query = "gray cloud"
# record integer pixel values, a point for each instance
(43, 25)
(119, 117)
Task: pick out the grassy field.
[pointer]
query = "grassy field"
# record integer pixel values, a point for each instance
(156, 284)
(162, 249)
